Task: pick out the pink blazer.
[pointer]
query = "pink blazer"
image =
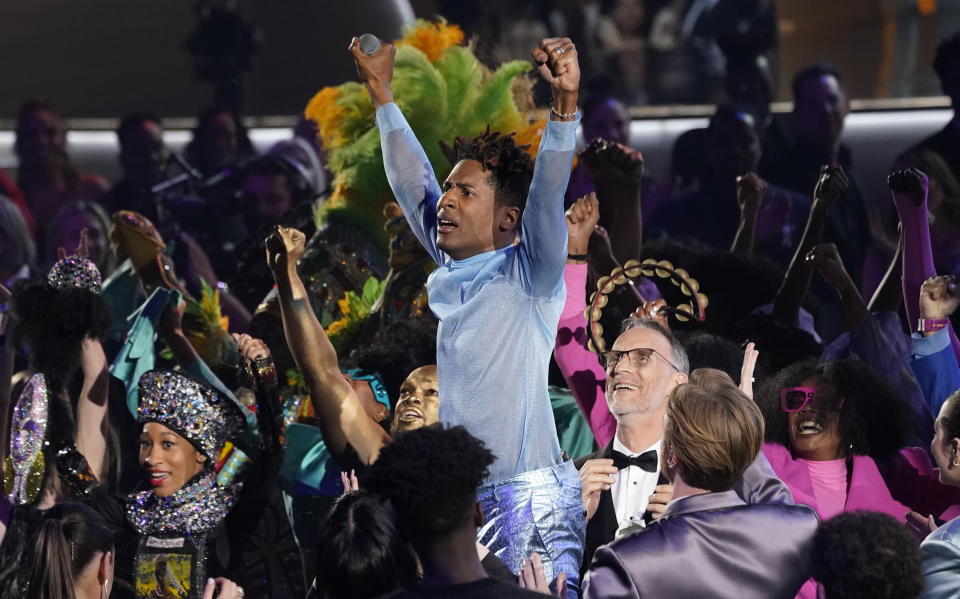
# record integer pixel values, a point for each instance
(905, 482)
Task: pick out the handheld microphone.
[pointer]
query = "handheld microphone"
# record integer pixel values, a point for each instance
(369, 44)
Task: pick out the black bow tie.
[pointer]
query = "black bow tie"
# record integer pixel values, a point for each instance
(646, 460)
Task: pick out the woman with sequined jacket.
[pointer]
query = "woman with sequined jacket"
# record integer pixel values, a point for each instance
(189, 527)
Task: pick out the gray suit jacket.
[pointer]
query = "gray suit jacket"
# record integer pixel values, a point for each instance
(709, 546)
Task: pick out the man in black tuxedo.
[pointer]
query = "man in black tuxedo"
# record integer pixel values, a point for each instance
(946, 142)
(623, 487)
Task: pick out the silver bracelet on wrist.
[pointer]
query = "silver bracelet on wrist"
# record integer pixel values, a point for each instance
(562, 116)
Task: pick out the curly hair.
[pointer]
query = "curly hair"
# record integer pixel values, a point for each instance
(874, 420)
(866, 555)
(396, 350)
(509, 165)
(431, 476)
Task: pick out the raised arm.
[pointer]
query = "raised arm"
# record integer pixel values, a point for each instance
(617, 171)
(830, 187)
(826, 260)
(342, 418)
(543, 243)
(750, 190)
(909, 188)
(92, 421)
(409, 172)
(579, 366)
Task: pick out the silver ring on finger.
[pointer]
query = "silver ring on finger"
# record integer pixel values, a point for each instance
(559, 50)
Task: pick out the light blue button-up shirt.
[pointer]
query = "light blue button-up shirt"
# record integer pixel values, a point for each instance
(498, 310)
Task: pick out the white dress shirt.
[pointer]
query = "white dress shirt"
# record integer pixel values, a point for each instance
(633, 487)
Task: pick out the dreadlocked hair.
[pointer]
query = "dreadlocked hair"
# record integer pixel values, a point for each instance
(430, 476)
(509, 165)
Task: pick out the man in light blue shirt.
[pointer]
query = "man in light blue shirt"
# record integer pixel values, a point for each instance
(498, 293)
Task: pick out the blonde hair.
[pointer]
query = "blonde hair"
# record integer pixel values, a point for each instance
(713, 429)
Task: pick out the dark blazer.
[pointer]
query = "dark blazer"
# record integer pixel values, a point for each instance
(602, 528)
(711, 545)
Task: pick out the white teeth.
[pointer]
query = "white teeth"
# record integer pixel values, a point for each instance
(624, 386)
(809, 426)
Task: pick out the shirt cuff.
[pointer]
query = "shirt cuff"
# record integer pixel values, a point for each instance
(389, 118)
(927, 346)
(560, 135)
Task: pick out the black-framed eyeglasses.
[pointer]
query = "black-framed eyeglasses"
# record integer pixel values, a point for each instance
(641, 356)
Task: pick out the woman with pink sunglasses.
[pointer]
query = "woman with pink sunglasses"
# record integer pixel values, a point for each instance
(836, 435)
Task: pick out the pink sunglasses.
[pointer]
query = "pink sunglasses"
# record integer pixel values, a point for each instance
(794, 399)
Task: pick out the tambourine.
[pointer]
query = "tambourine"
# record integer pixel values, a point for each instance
(694, 309)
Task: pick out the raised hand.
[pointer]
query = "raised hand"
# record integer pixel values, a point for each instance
(653, 311)
(350, 481)
(582, 218)
(596, 476)
(750, 188)
(750, 355)
(375, 71)
(613, 163)
(284, 246)
(251, 349)
(939, 297)
(556, 59)
(82, 250)
(831, 185)
(826, 260)
(909, 183)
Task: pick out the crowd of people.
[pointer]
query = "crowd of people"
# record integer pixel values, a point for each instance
(544, 374)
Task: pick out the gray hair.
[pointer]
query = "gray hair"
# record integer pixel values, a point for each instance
(13, 227)
(680, 359)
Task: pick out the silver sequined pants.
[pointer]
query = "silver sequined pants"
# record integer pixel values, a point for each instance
(539, 511)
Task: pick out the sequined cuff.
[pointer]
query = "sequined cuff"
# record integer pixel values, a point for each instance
(75, 472)
(264, 372)
(269, 410)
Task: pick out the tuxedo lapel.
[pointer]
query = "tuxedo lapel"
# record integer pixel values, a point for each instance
(602, 528)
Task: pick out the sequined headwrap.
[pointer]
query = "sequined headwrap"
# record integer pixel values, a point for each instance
(24, 468)
(75, 271)
(193, 410)
(195, 510)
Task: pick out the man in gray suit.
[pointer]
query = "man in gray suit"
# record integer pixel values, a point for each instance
(709, 542)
